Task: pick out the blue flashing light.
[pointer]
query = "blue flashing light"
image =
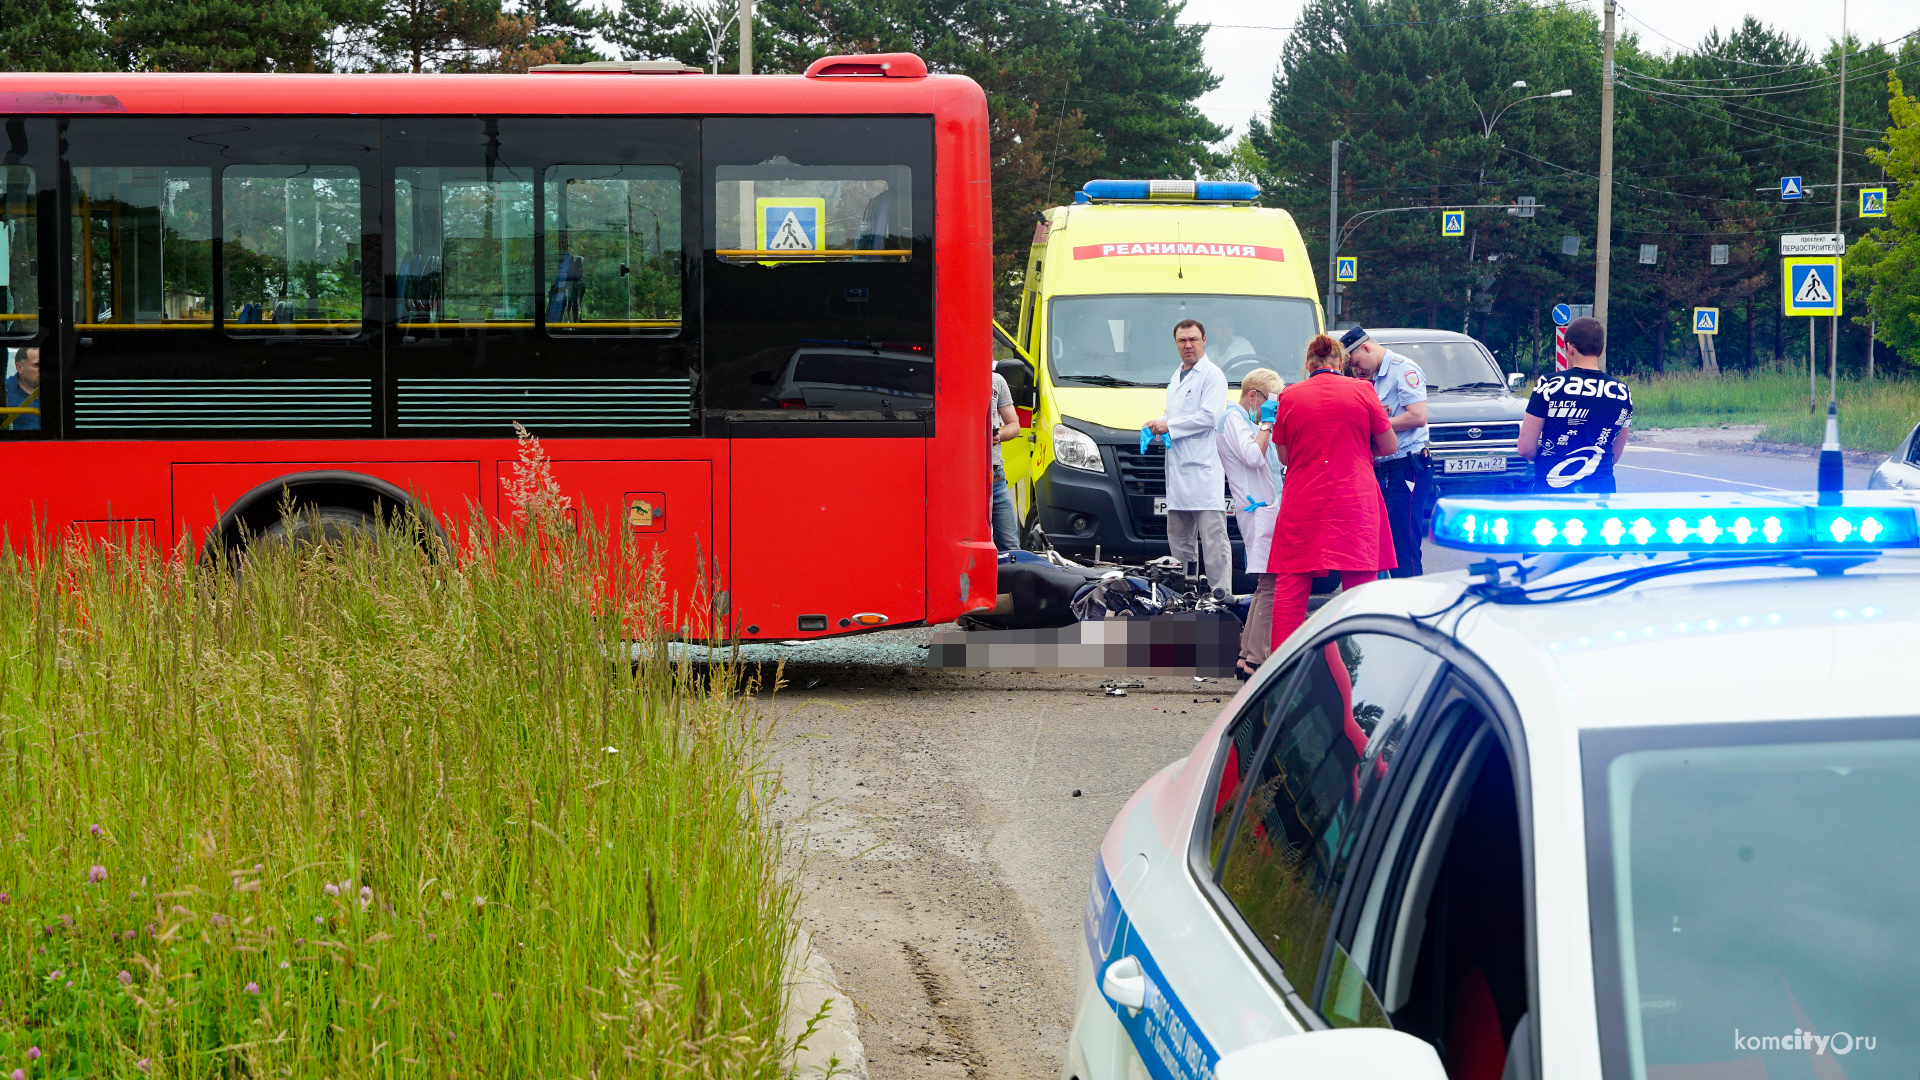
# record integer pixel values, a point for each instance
(1679, 522)
(1229, 191)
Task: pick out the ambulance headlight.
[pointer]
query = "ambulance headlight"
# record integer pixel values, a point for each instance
(1076, 450)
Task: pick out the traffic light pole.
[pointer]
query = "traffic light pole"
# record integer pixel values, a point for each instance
(1603, 242)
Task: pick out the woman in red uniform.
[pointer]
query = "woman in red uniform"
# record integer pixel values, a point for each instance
(1328, 429)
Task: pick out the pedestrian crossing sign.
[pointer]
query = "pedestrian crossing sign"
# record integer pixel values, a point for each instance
(1873, 202)
(1346, 268)
(1453, 223)
(1706, 320)
(790, 223)
(1811, 285)
(1790, 188)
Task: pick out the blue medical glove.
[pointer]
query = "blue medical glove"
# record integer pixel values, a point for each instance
(1146, 437)
(1251, 505)
(1269, 409)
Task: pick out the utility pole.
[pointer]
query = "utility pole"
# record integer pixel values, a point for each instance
(1603, 242)
(1333, 230)
(746, 37)
(1832, 473)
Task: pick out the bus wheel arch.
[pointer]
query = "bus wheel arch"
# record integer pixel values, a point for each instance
(341, 501)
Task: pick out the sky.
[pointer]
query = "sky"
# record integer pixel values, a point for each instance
(1244, 58)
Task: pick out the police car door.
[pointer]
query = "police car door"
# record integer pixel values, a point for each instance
(1431, 935)
(1279, 842)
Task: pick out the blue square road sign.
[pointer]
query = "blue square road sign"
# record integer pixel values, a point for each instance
(1791, 188)
(1810, 285)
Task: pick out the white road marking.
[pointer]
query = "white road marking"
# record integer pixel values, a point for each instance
(1697, 476)
(1651, 449)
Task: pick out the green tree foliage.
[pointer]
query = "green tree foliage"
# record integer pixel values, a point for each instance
(1701, 139)
(226, 35)
(50, 35)
(1885, 264)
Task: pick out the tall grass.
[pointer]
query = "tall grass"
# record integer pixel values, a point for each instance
(1874, 415)
(376, 809)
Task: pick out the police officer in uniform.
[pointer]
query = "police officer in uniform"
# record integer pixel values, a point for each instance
(1402, 387)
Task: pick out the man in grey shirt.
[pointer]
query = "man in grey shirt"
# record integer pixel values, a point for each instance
(1003, 423)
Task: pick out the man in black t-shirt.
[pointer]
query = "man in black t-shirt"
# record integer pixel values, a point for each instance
(1577, 419)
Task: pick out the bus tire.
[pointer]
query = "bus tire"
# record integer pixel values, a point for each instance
(317, 526)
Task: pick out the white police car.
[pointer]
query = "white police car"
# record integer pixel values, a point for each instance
(1641, 805)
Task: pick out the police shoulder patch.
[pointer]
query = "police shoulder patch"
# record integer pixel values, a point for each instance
(1413, 378)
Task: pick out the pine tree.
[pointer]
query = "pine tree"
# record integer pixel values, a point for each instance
(226, 35)
(50, 35)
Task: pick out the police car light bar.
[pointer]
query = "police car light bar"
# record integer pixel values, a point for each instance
(1679, 522)
(1233, 191)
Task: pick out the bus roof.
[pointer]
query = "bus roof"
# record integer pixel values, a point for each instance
(1177, 248)
(572, 93)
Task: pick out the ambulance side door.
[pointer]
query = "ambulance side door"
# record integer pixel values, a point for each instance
(1017, 368)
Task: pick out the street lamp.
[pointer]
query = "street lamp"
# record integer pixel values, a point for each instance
(1487, 124)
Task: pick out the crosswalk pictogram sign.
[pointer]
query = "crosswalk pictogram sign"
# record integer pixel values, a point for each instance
(1453, 223)
(1706, 320)
(1811, 286)
(1873, 202)
(1346, 268)
(791, 223)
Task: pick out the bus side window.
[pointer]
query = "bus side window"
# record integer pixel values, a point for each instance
(19, 300)
(612, 250)
(463, 245)
(291, 249)
(143, 247)
(819, 269)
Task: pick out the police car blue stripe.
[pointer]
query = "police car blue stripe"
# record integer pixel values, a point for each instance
(1164, 1033)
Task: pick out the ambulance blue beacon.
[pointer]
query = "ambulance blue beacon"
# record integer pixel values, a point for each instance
(1636, 797)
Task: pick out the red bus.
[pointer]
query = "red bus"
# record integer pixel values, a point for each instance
(718, 301)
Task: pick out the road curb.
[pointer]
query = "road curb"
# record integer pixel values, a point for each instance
(833, 1050)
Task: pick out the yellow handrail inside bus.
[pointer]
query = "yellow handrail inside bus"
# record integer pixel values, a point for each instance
(17, 318)
(18, 410)
(763, 255)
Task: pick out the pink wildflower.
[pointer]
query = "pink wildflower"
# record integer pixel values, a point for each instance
(33, 1053)
(332, 889)
(19, 1074)
(96, 875)
(126, 978)
(141, 1064)
(95, 829)
(253, 988)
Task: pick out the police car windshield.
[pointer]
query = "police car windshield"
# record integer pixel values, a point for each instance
(1450, 365)
(1116, 340)
(1755, 914)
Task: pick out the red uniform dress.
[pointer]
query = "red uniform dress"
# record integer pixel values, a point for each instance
(1332, 516)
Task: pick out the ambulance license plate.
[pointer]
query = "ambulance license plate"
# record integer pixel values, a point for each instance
(1160, 507)
(1474, 465)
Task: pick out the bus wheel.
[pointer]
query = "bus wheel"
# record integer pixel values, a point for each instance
(314, 526)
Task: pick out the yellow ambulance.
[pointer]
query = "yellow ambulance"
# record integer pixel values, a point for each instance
(1107, 279)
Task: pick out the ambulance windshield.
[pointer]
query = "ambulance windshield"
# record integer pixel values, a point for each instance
(1127, 340)
(1753, 903)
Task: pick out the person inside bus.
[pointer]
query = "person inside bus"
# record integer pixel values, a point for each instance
(1253, 482)
(23, 391)
(1228, 345)
(1196, 514)
(1328, 428)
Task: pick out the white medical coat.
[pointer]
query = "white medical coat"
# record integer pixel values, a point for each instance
(1250, 473)
(1194, 406)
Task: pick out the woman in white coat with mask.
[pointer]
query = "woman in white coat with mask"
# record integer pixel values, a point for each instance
(1253, 476)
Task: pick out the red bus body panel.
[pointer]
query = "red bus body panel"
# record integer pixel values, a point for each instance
(784, 526)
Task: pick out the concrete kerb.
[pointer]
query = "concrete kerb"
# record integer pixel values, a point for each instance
(832, 1049)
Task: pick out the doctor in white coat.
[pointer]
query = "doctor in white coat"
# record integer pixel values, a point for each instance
(1196, 485)
(1253, 479)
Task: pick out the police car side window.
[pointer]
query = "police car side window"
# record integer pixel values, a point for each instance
(1243, 743)
(1308, 789)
